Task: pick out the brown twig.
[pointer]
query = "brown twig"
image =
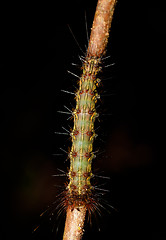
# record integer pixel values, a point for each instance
(74, 223)
(100, 28)
(97, 46)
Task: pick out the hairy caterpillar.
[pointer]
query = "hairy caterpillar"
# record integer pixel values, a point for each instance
(79, 189)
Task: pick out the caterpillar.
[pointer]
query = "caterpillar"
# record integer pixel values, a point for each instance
(79, 189)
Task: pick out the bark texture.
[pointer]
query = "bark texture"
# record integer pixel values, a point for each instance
(74, 223)
(100, 29)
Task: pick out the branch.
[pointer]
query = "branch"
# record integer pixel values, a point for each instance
(74, 223)
(100, 28)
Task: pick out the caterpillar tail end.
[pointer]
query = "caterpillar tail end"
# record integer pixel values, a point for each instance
(74, 226)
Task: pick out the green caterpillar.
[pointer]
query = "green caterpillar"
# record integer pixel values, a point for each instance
(79, 190)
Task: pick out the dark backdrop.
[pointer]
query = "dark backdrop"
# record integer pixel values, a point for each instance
(37, 49)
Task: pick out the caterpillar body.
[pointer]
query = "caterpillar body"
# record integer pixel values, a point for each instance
(79, 190)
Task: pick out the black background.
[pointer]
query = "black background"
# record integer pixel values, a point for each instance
(37, 49)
